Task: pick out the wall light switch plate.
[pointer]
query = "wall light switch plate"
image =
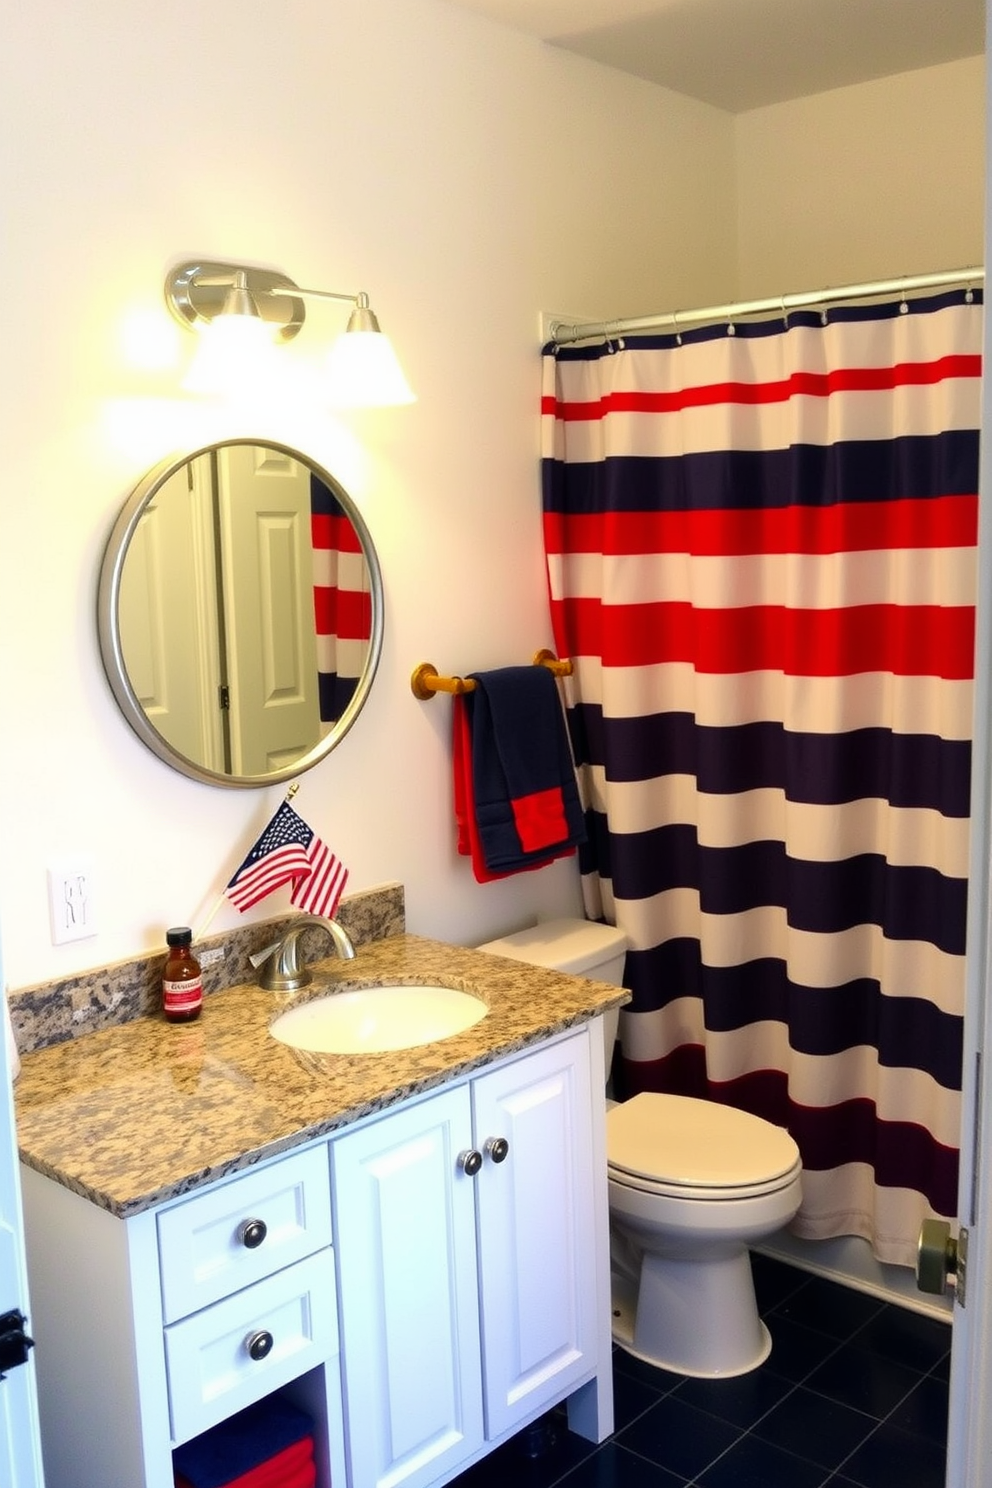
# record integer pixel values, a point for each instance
(70, 900)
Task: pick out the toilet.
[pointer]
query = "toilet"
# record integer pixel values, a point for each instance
(692, 1183)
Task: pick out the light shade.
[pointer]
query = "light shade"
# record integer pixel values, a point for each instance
(235, 354)
(363, 369)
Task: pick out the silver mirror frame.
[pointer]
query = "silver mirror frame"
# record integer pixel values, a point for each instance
(108, 621)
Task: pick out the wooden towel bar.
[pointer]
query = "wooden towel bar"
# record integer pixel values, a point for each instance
(425, 681)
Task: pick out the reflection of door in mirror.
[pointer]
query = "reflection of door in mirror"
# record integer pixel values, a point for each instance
(169, 616)
(228, 677)
(264, 504)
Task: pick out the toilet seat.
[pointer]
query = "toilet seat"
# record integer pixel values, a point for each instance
(682, 1147)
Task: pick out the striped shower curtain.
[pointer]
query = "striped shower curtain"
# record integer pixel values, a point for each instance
(760, 544)
(342, 603)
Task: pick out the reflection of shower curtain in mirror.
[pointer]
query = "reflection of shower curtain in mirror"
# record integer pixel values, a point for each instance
(761, 560)
(342, 603)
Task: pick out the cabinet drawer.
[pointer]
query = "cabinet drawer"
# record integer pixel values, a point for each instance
(231, 1236)
(211, 1372)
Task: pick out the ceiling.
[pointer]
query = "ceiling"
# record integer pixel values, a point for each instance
(743, 54)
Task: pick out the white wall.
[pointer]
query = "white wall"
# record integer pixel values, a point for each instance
(863, 183)
(467, 178)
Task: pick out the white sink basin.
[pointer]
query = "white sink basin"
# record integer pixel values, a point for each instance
(372, 1020)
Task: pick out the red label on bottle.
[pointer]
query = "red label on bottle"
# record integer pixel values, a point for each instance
(181, 996)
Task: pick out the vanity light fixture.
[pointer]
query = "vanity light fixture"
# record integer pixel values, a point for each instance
(247, 306)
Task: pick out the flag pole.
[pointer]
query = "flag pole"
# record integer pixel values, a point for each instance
(222, 896)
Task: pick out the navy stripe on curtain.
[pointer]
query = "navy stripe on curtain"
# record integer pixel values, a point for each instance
(911, 467)
(761, 563)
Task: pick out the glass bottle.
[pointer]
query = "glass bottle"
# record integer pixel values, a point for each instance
(182, 987)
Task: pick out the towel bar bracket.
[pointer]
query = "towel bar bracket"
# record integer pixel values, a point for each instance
(426, 682)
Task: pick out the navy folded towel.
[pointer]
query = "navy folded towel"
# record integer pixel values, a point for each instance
(527, 804)
(241, 1442)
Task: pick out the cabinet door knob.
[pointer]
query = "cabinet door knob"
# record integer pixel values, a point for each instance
(470, 1162)
(259, 1345)
(498, 1148)
(252, 1232)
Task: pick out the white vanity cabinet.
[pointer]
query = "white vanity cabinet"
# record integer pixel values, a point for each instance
(418, 1312)
(467, 1246)
(152, 1329)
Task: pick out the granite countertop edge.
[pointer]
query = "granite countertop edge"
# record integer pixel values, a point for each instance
(134, 1116)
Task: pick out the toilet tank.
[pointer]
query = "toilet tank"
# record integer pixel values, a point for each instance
(582, 947)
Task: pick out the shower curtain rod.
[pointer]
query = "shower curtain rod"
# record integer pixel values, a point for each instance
(562, 332)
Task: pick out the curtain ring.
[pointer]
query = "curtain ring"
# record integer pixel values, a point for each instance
(675, 323)
(785, 314)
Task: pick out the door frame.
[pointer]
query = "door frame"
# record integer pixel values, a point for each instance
(969, 1438)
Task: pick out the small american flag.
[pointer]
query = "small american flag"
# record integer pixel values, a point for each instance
(289, 851)
(320, 889)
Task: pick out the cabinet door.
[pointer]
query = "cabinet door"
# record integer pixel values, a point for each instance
(405, 1226)
(536, 1230)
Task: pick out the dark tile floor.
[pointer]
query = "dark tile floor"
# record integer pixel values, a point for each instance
(854, 1394)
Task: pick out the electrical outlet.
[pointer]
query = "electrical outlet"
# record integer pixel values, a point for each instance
(70, 900)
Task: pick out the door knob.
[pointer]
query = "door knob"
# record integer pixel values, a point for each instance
(470, 1161)
(941, 1258)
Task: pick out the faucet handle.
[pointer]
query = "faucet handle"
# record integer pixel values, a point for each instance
(257, 957)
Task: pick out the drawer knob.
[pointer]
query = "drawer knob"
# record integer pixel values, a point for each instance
(498, 1148)
(252, 1232)
(259, 1345)
(470, 1162)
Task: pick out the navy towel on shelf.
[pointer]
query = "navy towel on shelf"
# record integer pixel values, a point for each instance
(241, 1443)
(526, 802)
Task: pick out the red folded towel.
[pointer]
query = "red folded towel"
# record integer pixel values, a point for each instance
(294, 1467)
(266, 1445)
(540, 819)
(468, 832)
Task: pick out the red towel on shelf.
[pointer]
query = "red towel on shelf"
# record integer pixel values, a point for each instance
(266, 1445)
(294, 1467)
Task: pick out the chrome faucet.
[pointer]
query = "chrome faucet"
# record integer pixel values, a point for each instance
(279, 968)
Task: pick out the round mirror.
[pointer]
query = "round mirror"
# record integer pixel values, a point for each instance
(240, 612)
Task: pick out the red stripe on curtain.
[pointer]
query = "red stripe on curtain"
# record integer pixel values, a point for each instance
(847, 527)
(928, 640)
(345, 613)
(796, 385)
(334, 531)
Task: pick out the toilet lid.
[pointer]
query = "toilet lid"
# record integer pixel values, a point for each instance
(696, 1143)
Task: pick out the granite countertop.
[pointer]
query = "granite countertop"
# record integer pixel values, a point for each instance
(133, 1115)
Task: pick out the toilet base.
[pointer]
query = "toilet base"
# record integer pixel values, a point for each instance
(697, 1318)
